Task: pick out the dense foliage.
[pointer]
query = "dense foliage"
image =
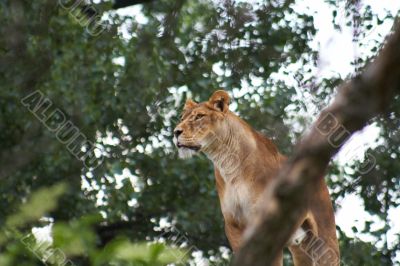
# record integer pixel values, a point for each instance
(122, 85)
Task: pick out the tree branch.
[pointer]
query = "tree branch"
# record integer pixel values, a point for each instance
(124, 3)
(357, 101)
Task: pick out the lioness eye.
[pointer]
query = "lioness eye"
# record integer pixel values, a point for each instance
(199, 116)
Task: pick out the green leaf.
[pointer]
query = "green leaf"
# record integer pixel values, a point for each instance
(40, 202)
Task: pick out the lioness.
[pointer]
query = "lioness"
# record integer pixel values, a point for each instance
(245, 162)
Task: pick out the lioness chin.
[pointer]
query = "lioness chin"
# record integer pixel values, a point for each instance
(245, 163)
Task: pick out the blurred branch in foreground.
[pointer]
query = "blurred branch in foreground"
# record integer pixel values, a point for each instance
(358, 100)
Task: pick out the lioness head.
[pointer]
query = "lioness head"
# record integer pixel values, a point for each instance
(200, 124)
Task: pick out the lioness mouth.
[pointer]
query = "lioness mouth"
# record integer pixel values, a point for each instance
(194, 148)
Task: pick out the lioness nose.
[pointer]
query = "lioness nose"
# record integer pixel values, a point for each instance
(177, 132)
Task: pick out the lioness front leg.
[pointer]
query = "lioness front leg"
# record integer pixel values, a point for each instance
(234, 234)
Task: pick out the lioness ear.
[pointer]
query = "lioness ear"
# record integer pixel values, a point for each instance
(189, 104)
(220, 100)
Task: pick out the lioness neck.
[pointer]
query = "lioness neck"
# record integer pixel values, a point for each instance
(235, 149)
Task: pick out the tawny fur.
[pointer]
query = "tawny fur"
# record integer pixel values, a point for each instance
(245, 163)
